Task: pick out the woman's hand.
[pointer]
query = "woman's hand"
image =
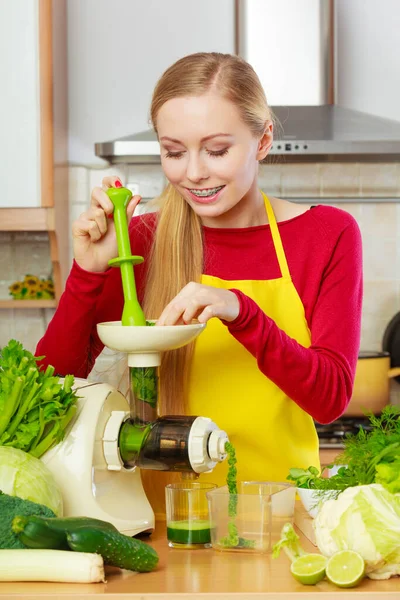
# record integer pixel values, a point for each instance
(202, 302)
(93, 234)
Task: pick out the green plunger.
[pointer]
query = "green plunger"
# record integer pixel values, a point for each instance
(132, 313)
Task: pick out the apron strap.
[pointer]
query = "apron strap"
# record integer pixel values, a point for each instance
(276, 238)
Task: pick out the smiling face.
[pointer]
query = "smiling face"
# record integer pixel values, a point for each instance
(211, 157)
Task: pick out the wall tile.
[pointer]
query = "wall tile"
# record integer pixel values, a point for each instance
(269, 179)
(96, 175)
(7, 326)
(149, 178)
(380, 258)
(380, 180)
(340, 180)
(379, 221)
(301, 181)
(29, 327)
(33, 258)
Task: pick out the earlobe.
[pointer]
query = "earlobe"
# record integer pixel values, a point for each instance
(265, 142)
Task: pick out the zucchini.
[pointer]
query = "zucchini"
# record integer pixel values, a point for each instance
(117, 549)
(51, 533)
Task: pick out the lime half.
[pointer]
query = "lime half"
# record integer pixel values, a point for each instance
(345, 568)
(309, 568)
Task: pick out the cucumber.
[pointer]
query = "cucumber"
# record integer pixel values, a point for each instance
(51, 533)
(117, 549)
(34, 533)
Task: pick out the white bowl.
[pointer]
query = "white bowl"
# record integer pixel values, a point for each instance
(312, 500)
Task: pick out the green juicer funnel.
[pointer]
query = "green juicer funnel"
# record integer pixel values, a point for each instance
(132, 313)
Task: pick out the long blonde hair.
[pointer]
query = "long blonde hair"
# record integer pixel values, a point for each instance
(177, 253)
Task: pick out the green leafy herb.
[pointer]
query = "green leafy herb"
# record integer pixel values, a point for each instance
(35, 407)
(369, 457)
(304, 478)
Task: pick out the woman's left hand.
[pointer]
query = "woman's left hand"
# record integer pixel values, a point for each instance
(202, 302)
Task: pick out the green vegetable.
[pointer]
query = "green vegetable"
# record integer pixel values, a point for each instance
(365, 519)
(10, 507)
(145, 384)
(289, 543)
(305, 478)
(116, 549)
(233, 540)
(35, 407)
(39, 532)
(370, 457)
(27, 477)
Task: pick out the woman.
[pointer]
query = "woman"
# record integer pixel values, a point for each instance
(279, 284)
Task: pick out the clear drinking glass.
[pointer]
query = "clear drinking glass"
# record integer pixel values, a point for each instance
(188, 522)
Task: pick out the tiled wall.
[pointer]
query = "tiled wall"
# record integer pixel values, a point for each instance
(367, 185)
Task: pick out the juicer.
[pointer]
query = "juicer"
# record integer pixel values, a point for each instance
(97, 465)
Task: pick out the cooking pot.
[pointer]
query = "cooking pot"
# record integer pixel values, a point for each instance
(371, 390)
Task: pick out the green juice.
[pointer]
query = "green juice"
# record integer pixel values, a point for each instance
(189, 532)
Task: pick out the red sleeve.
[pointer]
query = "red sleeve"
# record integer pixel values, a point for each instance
(319, 378)
(68, 341)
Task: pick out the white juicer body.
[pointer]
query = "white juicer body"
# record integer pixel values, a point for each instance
(89, 486)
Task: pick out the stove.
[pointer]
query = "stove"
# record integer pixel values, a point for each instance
(331, 435)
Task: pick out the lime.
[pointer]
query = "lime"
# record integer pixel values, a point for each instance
(309, 568)
(345, 568)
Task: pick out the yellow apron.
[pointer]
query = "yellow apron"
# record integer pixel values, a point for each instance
(270, 432)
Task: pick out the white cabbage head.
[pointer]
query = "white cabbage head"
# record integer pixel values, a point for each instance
(28, 477)
(365, 519)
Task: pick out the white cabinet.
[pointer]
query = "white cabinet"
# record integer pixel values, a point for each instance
(20, 118)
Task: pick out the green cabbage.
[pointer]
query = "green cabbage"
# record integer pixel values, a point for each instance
(366, 519)
(27, 477)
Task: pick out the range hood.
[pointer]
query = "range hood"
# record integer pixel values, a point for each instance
(315, 129)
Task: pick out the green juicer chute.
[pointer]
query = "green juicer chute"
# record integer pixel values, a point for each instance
(132, 313)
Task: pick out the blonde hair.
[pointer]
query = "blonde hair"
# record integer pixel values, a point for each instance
(177, 253)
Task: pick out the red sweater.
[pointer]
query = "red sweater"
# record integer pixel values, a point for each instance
(324, 254)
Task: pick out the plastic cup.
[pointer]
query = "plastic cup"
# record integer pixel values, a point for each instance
(246, 522)
(188, 521)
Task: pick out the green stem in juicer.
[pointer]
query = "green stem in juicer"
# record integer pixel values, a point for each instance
(132, 313)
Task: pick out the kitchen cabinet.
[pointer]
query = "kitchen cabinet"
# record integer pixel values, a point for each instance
(33, 121)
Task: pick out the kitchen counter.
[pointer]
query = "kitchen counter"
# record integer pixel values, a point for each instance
(201, 574)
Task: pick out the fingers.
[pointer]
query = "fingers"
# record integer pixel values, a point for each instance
(194, 301)
(100, 199)
(201, 302)
(134, 201)
(92, 223)
(111, 181)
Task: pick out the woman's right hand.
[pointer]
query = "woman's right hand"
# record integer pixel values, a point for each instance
(93, 234)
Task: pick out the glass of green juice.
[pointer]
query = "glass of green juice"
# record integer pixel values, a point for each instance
(188, 522)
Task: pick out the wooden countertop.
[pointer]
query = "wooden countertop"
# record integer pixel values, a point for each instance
(202, 574)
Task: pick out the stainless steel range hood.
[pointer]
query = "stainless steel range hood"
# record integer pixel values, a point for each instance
(320, 131)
